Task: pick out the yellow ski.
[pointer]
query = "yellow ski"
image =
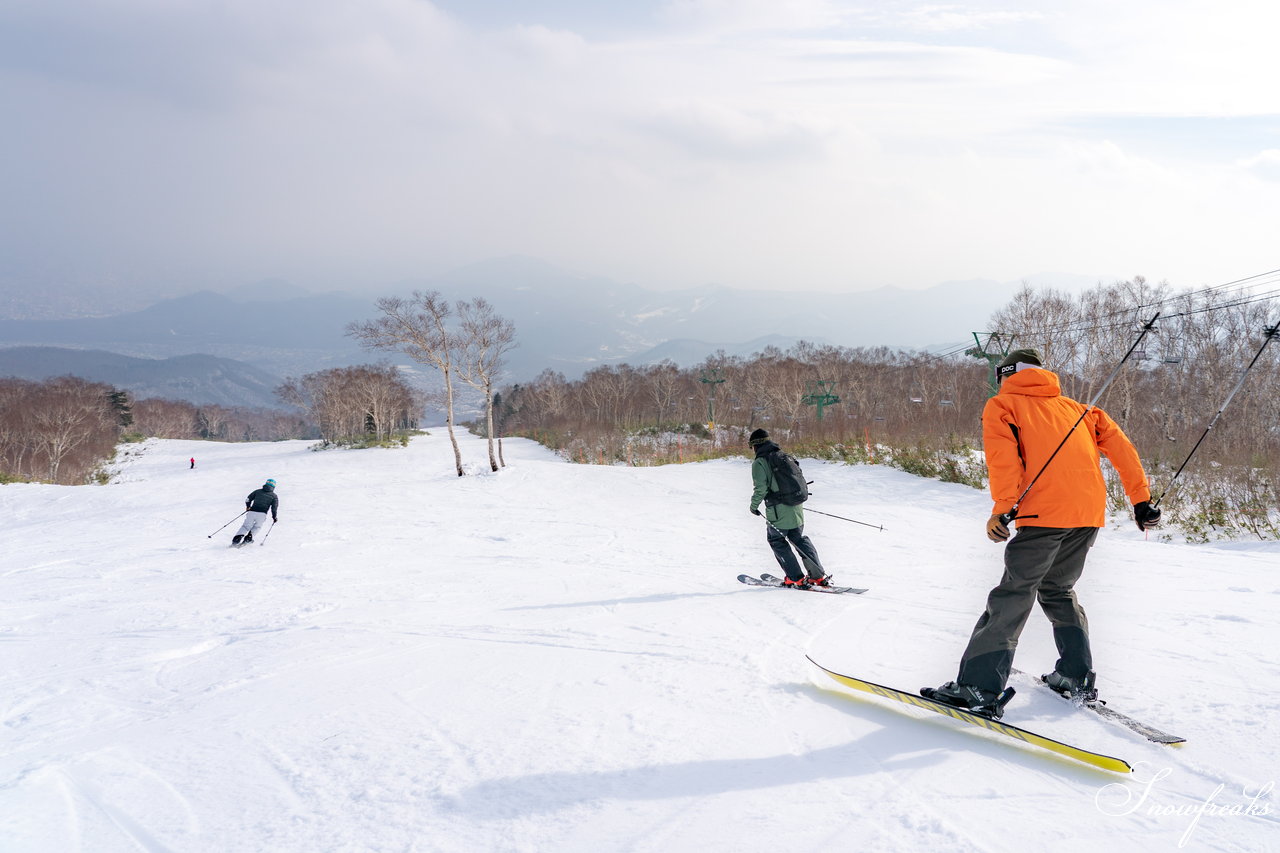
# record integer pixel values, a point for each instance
(1095, 759)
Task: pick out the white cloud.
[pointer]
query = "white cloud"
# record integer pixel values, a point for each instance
(731, 15)
(945, 18)
(758, 143)
(1265, 164)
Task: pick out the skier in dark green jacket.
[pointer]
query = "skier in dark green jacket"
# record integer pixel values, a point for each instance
(256, 506)
(785, 522)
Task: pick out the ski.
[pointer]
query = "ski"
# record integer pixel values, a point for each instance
(770, 580)
(852, 590)
(1103, 710)
(1095, 759)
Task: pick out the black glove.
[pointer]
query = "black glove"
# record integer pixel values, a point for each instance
(1146, 515)
(274, 519)
(755, 511)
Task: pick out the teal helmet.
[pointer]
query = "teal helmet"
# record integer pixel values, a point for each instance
(271, 483)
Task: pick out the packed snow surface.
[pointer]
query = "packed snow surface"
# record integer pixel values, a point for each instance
(558, 657)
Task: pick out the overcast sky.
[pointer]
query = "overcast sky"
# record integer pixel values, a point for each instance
(780, 144)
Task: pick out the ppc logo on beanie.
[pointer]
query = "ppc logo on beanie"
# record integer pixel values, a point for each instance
(1017, 360)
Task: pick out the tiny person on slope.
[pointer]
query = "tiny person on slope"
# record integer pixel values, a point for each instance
(256, 506)
(785, 529)
(1058, 521)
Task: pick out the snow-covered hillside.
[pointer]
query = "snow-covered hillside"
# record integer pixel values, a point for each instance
(558, 658)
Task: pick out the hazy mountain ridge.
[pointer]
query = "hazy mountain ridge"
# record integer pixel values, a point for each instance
(200, 379)
(686, 353)
(563, 321)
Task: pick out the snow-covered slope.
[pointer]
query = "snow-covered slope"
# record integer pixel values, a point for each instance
(558, 658)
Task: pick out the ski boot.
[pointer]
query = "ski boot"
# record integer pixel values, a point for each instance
(982, 702)
(236, 540)
(825, 580)
(803, 583)
(1080, 691)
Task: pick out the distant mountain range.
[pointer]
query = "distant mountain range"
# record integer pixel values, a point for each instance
(563, 321)
(200, 379)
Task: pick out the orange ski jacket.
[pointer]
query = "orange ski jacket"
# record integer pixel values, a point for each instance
(1021, 427)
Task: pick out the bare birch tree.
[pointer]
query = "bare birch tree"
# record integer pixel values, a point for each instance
(485, 339)
(419, 328)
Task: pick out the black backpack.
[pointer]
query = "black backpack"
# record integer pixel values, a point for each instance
(793, 490)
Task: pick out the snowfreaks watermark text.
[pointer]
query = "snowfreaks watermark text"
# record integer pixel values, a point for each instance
(1118, 800)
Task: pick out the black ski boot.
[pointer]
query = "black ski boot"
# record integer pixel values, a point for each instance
(1079, 690)
(970, 698)
(237, 539)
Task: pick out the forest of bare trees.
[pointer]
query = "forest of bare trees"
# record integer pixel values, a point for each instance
(661, 413)
(64, 430)
(157, 418)
(58, 430)
(361, 405)
(922, 411)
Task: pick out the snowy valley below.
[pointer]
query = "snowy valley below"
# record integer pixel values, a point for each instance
(558, 657)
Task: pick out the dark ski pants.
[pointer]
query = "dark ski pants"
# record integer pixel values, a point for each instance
(778, 541)
(1041, 563)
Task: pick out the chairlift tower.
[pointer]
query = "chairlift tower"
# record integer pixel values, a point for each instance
(994, 349)
(711, 378)
(819, 394)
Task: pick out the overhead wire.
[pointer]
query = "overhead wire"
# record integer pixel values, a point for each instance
(1125, 318)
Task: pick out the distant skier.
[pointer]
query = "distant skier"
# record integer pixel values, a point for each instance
(193, 462)
(1022, 427)
(786, 522)
(256, 506)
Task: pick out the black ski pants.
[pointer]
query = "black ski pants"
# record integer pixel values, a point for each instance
(1040, 563)
(782, 541)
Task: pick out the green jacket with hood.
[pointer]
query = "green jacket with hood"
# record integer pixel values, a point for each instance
(780, 516)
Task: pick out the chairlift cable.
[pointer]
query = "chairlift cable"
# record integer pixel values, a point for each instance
(1099, 324)
(1269, 333)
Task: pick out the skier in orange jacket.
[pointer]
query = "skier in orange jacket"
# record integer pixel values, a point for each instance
(1023, 427)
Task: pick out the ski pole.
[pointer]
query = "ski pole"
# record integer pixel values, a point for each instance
(210, 536)
(1269, 332)
(842, 518)
(1013, 510)
(268, 533)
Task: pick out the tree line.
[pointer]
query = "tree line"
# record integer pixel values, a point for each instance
(361, 405)
(58, 429)
(63, 430)
(918, 410)
(922, 411)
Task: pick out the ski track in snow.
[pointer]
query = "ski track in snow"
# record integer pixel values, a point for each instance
(559, 657)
